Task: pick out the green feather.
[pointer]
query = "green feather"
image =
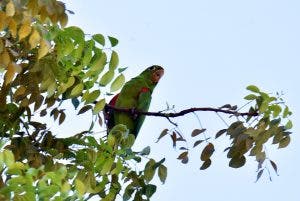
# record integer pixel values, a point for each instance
(132, 97)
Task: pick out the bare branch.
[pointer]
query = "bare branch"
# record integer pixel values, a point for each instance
(181, 113)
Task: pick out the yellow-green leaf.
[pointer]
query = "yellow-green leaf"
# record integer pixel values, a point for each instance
(10, 9)
(12, 26)
(107, 166)
(117, 83)
(289, 124)
(107, 77)
(114, 60)
(80, 187)
(149, 170)
(77, 90)
(91, 97)
(162, 173)
(99, 106)
(9, 75)
(284, 142)
(44, 48)
(34, 39)
(253, 88)
(99, 38)
(24, 30)
(8, 157)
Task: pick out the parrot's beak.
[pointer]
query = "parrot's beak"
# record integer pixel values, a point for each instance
(157, 75)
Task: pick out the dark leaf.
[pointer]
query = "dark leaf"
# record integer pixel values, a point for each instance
(84, 109)
(174, 138)
(198, 131)
(162, 134)
(227, 148)
(62, 117)
(150, 190)
(182, 155)
(207, 152)
(259, 174)
(183, 148)
(185, 160)
(237, 162)
(234, 107)
(220, 132)
(205, 164)
(198, 142)
(43, 113)
(225, 106)
(284, 142)
(145, 151)
(274, 166)
(75, 102)
(100, 121)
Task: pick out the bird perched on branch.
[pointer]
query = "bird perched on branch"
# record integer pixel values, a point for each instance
(135, 94)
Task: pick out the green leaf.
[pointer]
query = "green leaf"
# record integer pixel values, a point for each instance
(162, 173)
(77, 90)
(289, 125)
(198, 131)
(99, 106)
(114, 60)
(107, 77)
(276, 110)
(207, 152)
(149, 170)
(99, 38)
(121, 70)
(205, 164)
(91, 97)
(286, 112)
(150, 190)
(8, 157)
(113, 41)
(117, 83)
(107, 166)
(80, 187)
(250, 97)
(253, 88)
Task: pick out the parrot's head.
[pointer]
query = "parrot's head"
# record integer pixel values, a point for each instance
(153, 73)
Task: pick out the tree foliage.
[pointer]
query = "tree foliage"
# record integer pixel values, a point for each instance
(43, 63)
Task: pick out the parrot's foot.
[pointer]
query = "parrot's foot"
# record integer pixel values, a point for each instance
(133, 113)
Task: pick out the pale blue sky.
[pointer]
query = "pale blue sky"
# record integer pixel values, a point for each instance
(211, 50)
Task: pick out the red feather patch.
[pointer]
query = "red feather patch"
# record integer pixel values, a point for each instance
(114, 100)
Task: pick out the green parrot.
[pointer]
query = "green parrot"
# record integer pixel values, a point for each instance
(136, 93)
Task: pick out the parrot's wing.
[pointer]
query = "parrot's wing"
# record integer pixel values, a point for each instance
(143, 104)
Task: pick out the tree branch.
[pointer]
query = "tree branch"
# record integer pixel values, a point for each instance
(181, 113)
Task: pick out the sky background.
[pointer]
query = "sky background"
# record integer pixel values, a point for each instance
(211, 50)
